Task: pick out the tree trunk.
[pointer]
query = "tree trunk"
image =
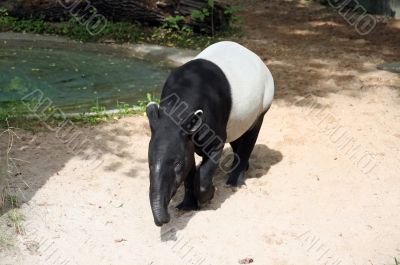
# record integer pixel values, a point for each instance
(148, 12)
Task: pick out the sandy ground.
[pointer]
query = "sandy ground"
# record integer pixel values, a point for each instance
(323, 184)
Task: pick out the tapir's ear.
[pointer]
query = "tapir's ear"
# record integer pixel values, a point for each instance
(152, 114)
(193, 122)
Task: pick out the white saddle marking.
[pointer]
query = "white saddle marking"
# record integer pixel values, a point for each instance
(251, 82)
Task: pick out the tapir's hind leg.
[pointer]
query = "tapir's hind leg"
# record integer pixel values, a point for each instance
(243, 148)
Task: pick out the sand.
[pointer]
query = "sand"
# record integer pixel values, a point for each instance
(322, 188)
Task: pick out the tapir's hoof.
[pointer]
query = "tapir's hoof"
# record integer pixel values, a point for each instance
(206, 196)
(236, 184)
(188, 206)
(236, 181)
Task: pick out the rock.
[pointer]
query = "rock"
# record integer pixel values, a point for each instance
(246, 261)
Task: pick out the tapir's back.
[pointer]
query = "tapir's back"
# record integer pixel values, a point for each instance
(251, 83)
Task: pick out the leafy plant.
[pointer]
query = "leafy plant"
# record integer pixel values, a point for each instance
(13, 110)
(201, 15)
(172, 33)
(173, 22)
(123, 108)
(232, 12)
(9, 200)
(142, 104)
(3, 12)
(17, 219)
(98, 113)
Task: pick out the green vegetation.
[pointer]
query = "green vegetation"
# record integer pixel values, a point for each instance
(10, 215)
(17, 220)
(208, 13)
(233, 12)
(201, 15)
(169, 34)
(173, 22)
(9, 201)
(16, 114)
(149, 98)
(13, 114)
(6, 241)
(99, 113)
(172, 33)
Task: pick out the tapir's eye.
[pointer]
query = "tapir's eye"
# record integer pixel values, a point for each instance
(178, 166)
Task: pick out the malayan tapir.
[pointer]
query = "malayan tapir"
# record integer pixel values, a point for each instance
(221, 96)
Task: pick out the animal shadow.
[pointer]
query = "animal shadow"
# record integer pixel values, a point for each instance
(260, 162)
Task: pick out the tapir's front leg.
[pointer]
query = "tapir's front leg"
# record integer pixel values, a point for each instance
(204, 188)
(189, 202)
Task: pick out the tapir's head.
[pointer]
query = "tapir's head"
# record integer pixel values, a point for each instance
(171, 157)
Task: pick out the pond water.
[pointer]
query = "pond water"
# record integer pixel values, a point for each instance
(391, 67)
(76, 80)
(382, 7)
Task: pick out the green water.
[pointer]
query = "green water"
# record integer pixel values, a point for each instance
(391, 67)
(75, 80)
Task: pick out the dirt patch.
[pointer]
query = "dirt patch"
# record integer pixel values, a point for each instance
(323, 181)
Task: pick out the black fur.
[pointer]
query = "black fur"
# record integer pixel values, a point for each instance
(202, 85)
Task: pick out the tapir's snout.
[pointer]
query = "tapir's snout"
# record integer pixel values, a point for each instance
(160, 215)
(159, 206)
(171, 157)
(160, 221)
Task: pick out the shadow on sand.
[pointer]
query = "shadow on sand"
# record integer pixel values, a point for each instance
(261, 161)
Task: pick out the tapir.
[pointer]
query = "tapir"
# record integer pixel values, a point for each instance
(221, 96)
